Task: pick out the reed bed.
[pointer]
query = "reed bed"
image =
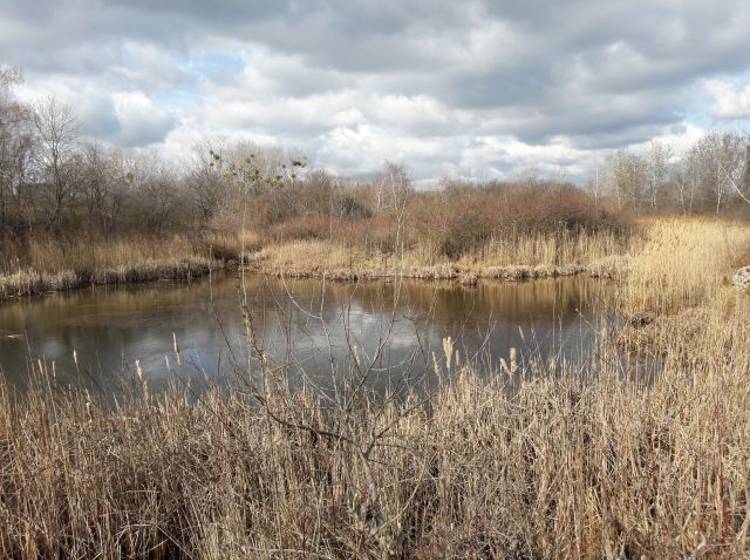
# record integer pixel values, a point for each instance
(682, 262)
(512, 258)
(547, 249)
(594, 462)
(78, 254)
(51, 265)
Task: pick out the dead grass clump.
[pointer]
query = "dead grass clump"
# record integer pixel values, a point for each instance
(228, 245)
(56, 265)
(26, 282)
(681, 262)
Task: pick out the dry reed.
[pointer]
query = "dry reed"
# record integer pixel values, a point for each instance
(593, 464)
(54, 266)
(681, 262)
(602, 459)
(529, 256)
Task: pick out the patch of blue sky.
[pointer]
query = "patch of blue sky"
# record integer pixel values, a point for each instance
(180, 97)
(199, 65)
(737, 79)
(700, 112)
(207, 64)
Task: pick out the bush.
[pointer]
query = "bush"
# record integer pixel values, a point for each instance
(304, 227)
(462, 218)
(346, 205)
(465, 231)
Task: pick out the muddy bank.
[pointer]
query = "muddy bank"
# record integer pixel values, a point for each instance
(462, 274)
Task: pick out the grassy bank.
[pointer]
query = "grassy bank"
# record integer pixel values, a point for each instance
(53, 265)
(667, 262)
(49, 265)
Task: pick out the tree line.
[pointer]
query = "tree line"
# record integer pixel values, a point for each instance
(52, 182)
(713, 176)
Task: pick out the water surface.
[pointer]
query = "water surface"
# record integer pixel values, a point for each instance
(313, 325)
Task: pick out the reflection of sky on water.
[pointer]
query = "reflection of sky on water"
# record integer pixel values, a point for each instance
(110, 329)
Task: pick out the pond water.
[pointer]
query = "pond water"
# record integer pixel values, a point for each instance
(310, 325)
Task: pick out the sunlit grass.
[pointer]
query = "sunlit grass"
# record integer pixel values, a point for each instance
(594, 463)
(52, 265)
(597, 459)
(682, 262)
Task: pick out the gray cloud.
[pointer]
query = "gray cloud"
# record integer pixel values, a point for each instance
(417, 76)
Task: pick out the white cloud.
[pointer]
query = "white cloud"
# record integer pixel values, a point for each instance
(141, 122)
(730, 101)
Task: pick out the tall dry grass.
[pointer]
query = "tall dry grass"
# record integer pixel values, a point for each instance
(229, 245)
(611, 457)
(51, 255)
(565, 248)
(553, 253)
(52, 265)
(682, 262)
(595, 463)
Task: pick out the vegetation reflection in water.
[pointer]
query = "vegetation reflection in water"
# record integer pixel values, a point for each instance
(109, 329)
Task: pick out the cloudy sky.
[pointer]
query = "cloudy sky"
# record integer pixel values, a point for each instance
(475, 89)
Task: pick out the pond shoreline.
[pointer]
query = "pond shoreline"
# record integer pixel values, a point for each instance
(465, 275)
(30, 283)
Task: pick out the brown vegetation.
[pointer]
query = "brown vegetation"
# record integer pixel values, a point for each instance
(681, 263)
(603, 459)
(589, 465)
(53, 265)
(613, 457)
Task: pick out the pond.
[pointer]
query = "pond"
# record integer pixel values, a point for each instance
(94, 336)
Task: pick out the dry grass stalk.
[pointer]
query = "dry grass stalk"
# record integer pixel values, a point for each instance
(589, 465)
(682, 262)
(54, 266)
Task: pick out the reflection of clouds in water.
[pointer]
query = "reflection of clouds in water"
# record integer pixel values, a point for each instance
(112, 328)
(52, 348)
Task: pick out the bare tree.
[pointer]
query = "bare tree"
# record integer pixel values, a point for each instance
(206, 181)
(157, 194)
(102, 187)
(56, 127)
(657, 164)
(595, 186)
(738, 175)
(16, 150)
(715, 163)
(626, 178)
(684, 186)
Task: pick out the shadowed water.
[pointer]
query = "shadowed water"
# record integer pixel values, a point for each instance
(311, 325)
